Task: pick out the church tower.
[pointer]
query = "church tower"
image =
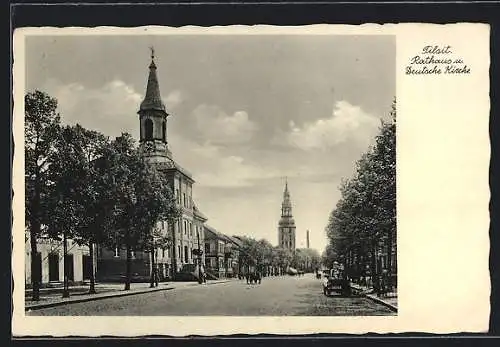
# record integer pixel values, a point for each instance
(153, 121)
(186, 231)
(286, 227)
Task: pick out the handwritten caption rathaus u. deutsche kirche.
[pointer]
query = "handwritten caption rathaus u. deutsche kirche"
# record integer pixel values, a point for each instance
(437, 60)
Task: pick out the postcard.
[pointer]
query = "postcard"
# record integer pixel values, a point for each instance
(251, 179)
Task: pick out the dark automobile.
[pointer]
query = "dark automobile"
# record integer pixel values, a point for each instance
(335, 282)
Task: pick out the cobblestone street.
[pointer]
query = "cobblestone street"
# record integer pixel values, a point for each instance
(287, 296)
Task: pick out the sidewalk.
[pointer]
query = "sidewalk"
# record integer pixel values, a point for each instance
(50, 297)
(389, 300)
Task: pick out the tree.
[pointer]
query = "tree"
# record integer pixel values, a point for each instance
(143, 198)
(284, 258)
(363, 222)
(92, 190)
(66, 175)
(308, 258)
(155, 203)
(42, 124)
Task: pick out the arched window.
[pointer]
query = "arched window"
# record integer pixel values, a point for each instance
(148, 129)
(164, 131)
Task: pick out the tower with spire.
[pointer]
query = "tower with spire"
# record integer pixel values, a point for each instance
(189, 227)
(286, 226)
(153, 120)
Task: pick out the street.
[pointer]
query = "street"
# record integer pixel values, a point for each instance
(275, 296)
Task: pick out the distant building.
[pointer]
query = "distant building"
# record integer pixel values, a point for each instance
(214, 253)
(232, 254)
(221, 254)
(286, 226)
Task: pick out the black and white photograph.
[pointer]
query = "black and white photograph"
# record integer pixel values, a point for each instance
(210, 175)
(261, 174)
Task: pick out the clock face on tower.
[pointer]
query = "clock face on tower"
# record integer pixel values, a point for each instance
(149, 147)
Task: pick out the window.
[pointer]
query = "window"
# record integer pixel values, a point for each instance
(184, 199)
(179, 255)
(185, 228)
(207, 248)
(148, 129)
(164, 131)
(186, 254)
(178, 196)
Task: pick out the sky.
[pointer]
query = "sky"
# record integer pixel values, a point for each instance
(246, 111)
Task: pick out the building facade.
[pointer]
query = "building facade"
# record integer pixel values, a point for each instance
(286, 226)
(50, 262)
(186, 234)
(214, 253)
(221, 254)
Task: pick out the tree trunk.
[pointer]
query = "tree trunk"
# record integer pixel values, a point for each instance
(128, 271)
(92, 272)
(35, 275)
(373, 262)
(153, 270)
(65, 293)
(389, 256)
(35, 230)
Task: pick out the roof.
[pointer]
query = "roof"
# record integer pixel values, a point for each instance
(183, 171)
(236, 240)
(213, 231)
(152, 100)
(171, 165)
(222, 236)
(198, 213)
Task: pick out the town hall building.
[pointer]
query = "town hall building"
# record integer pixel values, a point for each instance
(186, 234)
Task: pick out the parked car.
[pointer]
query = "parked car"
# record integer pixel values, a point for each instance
(335, 282)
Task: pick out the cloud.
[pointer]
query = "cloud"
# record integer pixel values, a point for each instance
(348, 124)
(216, 126)
(214, 166)
(111, 108)
(174, 99)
